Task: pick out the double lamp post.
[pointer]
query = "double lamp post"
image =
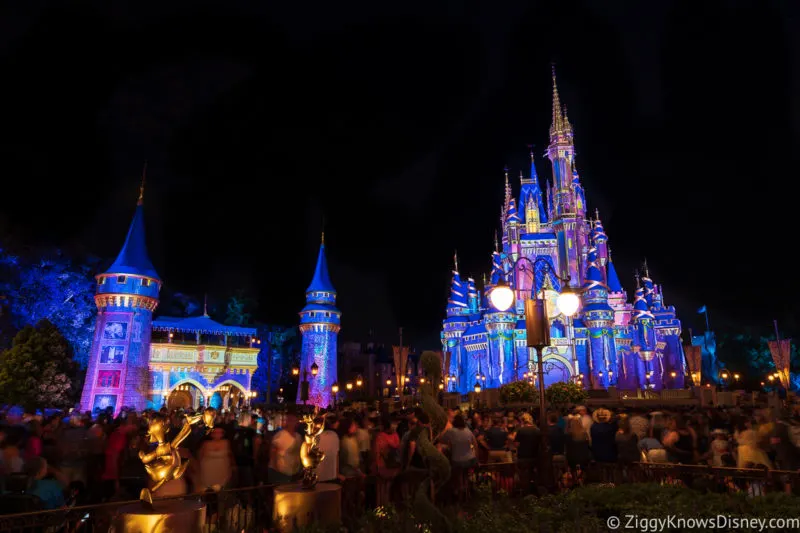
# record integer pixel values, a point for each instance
(537, 325)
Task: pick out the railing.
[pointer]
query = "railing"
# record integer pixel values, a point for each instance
(250, 509)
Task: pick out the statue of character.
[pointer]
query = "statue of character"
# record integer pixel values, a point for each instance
(310, 454)
(164, 463)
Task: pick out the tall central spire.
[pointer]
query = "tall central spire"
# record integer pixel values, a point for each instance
(558, 117)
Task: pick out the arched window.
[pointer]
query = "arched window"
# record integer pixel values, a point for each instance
(557, 331)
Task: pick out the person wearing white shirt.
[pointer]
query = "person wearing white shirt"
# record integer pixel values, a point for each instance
(328, 469)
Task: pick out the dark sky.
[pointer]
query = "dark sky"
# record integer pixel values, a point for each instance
(259, 119)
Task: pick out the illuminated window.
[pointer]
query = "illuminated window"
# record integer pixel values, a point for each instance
(145, 282)
(121, 279)
(102, 281)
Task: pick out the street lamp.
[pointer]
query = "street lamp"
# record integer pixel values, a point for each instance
(335, 391)
(536, 323)
(349, 386)
(359, 380)
(295, 370)
(314, 369)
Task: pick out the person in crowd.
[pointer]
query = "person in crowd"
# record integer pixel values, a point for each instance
(527, 439)
(387, 460)
(602, 435)
(216, 460)
(349, 456)
(50, 490)
(285, 452)
(495, 440)
(328, 469)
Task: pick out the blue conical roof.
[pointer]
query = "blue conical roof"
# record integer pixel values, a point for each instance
(511, 214)
(640, 307)
(133, 258)
(497, 269)
(613, 279)
(530, 191)
(458, 295)
(321, 281)
(594, 276)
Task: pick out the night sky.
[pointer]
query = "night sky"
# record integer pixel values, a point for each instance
(261, 120)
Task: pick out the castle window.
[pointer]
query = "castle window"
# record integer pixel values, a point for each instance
(145, 282)
(122, 279)
(102, 280)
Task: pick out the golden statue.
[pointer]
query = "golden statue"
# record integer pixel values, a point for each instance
(164, 463)
(310, 454)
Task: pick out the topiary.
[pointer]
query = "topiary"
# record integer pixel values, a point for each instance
(438, 465)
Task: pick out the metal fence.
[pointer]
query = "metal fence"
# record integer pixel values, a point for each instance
(250, 509)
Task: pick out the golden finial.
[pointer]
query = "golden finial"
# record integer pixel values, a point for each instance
(496, 246)
(455, 260)
(141, 187)
(322, 238)
(205, 304)
(596, 214)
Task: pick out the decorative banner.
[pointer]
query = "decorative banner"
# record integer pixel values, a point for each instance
(694, 360)
(400, 360)
(781, 351)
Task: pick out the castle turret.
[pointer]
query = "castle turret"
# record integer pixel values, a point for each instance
(644, 338)
(601, 241)
(127, 294)
(598, 318)
(531, 201)
(473, 299)
(513, 228)
(455, 324)
(319, 327)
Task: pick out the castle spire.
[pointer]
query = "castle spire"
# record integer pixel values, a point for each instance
(141, 187)
(557, 126)
(496, 244)
(455, 260)
(321, 282)
(507, 199)
(133, 258)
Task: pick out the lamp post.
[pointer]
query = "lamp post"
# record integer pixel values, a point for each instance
(335, 391)
(536, 323)
(304, 384)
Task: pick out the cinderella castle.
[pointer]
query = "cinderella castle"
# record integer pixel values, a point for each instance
(609, 342)
(140, 362)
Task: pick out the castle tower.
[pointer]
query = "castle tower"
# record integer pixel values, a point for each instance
(561, 153)
(601, 240)
(319, 328)
(454, 326)
(598, 318)
(530, 200)
(127, 295)
(644, 339)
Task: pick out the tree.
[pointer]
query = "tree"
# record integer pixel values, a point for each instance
(239, 309)
(51, 285)
(38, 371)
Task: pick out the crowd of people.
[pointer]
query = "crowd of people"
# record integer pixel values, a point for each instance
(76, 457)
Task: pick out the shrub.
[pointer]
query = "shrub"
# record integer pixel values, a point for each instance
(518, 391)
(565, 393)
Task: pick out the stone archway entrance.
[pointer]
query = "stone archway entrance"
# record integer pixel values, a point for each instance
(184, 396)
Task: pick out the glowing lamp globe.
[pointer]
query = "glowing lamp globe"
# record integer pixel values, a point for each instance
(334, 388)
(477, 387)
(502, 297)
(568, 302)
(314, 369)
